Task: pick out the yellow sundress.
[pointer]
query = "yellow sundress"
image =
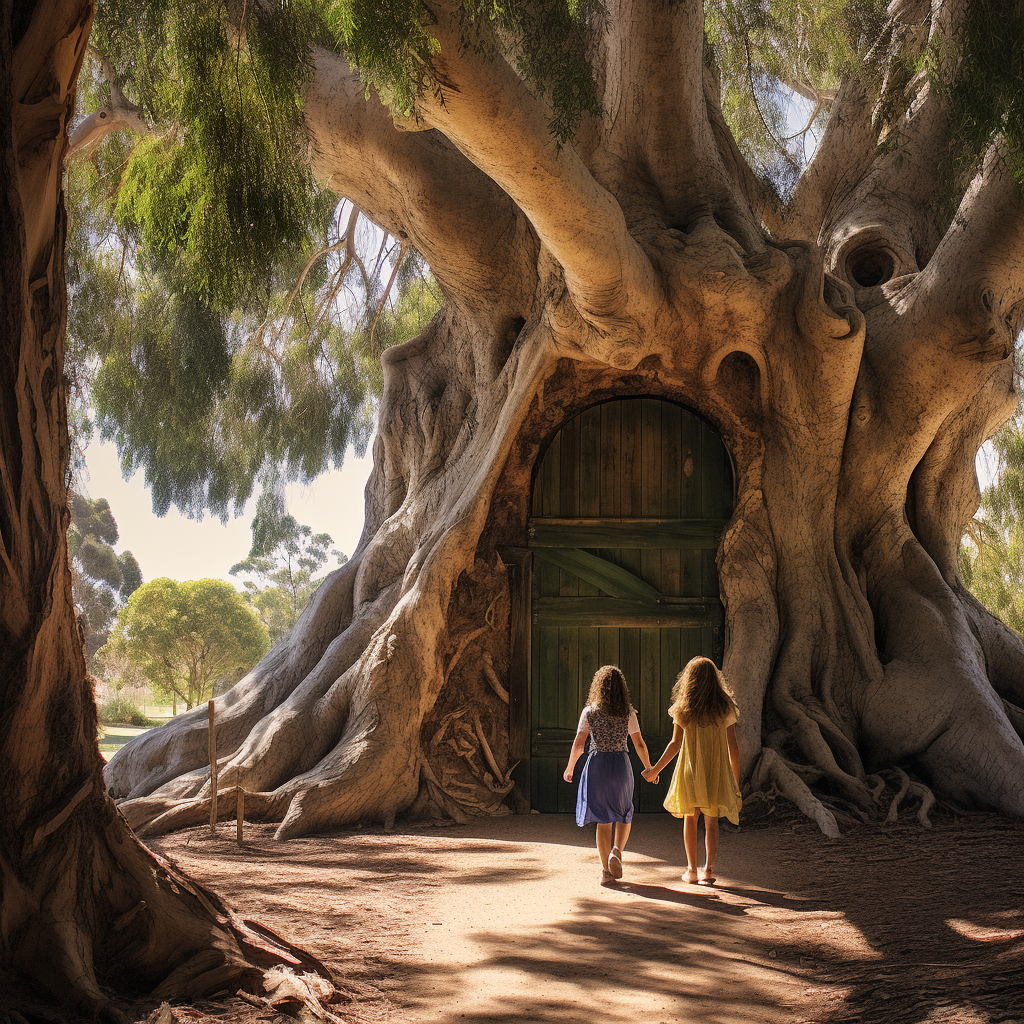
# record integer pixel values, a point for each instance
(703, 779)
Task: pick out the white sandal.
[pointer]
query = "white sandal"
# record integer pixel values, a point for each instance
(615, 863)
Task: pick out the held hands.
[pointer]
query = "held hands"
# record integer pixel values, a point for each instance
(651, 775)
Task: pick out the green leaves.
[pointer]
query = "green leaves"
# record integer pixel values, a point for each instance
(131, 573)
(388, 41)
(391, 45)
(99, 562)
(222, 189)
(187, 637)
(285, 557)
(185, 340)
(93, 518)
(764, 52)
(102, 579)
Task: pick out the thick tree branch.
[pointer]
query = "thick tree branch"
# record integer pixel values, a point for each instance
(944, 489)
(934, 339)
(845, 153)
(652, 57)
(486, 110)
(417, 187)
(662, 108)
(116, 114)
(894, 201)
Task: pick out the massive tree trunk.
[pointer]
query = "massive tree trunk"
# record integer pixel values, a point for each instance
(85, 909)
(853, 356)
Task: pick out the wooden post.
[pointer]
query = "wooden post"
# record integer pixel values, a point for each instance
(213, 770)
(239, 812)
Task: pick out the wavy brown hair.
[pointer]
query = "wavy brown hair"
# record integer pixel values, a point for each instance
(701, 695)
(609, 692)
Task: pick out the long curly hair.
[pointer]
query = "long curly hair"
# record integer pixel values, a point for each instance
(609, 692)
(701, 695)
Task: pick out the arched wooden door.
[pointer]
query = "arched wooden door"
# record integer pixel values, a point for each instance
(629, 502)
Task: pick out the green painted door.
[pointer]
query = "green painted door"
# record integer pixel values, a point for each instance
(629, 501)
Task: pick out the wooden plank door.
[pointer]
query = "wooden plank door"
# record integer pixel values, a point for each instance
(628, 503)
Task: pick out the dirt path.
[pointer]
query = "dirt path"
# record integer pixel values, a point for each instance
(504, 920)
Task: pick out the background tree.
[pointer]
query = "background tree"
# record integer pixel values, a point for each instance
(87, 910)
(215, 380)
(188, 638)
(992, 559)
(102, 579)
(284, 558)
(597, 229)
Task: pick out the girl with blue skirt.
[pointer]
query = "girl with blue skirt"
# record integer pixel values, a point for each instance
(605, 794)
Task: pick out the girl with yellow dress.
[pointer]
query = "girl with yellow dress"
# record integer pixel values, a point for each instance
(706, 779)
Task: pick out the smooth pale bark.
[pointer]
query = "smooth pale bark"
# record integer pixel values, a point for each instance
(853, 361)
(85, 909)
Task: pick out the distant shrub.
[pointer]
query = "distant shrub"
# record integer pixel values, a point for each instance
(122, 710)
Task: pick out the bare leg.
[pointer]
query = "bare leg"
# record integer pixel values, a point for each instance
(620, 833)
(711, 843)
(604, 847)
(690, 845)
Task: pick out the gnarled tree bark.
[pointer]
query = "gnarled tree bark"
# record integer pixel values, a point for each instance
(853, 356)
(86, 911)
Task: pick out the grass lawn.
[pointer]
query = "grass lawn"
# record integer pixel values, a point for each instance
(113, 737)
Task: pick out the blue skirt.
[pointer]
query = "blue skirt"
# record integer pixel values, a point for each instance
(606, 788)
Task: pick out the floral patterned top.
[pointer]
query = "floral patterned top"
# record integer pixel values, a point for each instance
(607, 733)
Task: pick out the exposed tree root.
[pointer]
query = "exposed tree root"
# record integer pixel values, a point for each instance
(772, 770)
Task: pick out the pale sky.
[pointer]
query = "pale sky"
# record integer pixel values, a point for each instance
(188, 549)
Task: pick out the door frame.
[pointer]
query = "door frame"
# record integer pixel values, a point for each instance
(519, 563)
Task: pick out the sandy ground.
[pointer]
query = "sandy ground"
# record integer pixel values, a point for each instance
(504, 920)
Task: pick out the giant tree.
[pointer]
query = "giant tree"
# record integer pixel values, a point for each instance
(86, 908)
(600, 228)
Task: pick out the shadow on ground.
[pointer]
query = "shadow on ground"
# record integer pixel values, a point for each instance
(503, 920)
